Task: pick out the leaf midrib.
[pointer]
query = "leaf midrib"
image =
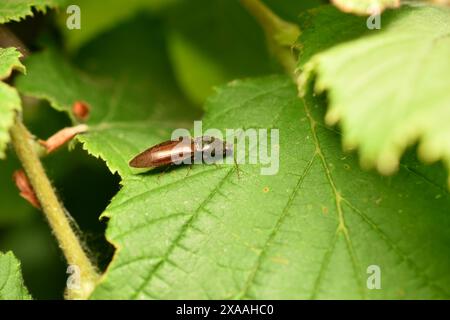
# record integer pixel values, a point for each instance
(341, 228)
(276, 228)
(184, 228)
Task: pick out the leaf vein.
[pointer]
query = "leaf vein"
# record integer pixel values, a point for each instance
(394, 247)
(338, 198)
(184, 228)
(273, 233)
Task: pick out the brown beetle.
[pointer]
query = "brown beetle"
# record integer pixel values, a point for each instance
(183, 150)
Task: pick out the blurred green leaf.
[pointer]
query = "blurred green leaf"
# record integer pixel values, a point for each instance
(15, 10)
(202, 45)
(383, 88)
(148, 71)
(11, 282)
(98, 17)
(199, 43)
(10, 101)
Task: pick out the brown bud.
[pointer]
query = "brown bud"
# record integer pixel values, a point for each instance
(25, 188)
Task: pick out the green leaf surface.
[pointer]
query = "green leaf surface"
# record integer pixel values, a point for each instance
(311, 231)
(9, 99)
(11, 281)
(382, 87)
(15, 10)
(317, 21)
(9, 61)
(365, 6)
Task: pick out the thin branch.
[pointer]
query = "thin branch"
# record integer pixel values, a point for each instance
(54, 212)
(281, 35)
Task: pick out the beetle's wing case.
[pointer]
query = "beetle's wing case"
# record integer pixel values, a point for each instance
(164, 153)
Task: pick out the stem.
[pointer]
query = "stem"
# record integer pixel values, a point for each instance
(281, 35)
(54, 211)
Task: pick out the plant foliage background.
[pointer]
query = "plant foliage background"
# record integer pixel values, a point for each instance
(364, 124)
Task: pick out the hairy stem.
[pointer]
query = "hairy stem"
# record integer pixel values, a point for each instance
(281, 35)
(54, 212)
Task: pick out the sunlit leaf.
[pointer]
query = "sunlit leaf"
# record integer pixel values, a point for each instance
(389, 89)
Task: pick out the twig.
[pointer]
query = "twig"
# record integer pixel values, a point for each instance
(54, 211)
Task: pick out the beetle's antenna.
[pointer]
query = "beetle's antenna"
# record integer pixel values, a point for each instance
(160, 175)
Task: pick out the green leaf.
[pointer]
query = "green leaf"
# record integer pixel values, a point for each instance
(9, 99)
(311, 231)
(333, 26)
(383, 90)
(15, 10)
(365, 6)
(11, 281)
(9, 61)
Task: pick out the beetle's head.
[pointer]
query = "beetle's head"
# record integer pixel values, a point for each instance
(214, 146)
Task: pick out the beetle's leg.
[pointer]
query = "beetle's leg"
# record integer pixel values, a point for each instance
(237, 169)
(189, 170)
(163, 172)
